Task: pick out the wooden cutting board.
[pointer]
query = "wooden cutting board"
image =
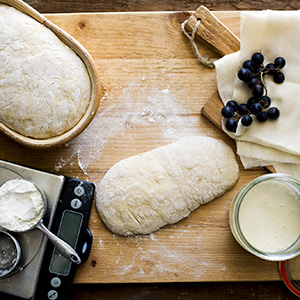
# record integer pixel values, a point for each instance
(154, 90)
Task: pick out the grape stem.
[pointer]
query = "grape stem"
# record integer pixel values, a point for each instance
(263, 82)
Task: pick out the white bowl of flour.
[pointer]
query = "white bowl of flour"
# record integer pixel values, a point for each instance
(22, 205)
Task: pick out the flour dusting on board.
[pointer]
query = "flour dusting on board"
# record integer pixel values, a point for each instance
(128, 109)
(158, 257)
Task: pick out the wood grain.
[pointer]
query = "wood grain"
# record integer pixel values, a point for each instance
(212, 32)
(154, 93)
(212, 108)
(71, 6)
(184, 291)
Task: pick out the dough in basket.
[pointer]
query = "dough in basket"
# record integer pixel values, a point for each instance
(142, 193)
(44, 86)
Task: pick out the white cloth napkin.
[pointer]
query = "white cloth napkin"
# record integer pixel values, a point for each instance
(275, 143)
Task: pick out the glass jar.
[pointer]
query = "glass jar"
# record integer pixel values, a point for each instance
(265, 217)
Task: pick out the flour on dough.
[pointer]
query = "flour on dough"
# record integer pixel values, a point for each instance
(142, 193)
(44, 86)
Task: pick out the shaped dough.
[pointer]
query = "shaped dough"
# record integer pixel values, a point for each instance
(44, 86)
(142, 193)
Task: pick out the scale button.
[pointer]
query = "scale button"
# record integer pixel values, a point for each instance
(55, 282)
(52, 295)
(76, 203)
(79, 190)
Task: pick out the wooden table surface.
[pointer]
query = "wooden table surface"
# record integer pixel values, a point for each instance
(232, 288)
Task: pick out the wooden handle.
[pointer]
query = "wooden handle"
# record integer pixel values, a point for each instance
(212, 32)
(212, 110)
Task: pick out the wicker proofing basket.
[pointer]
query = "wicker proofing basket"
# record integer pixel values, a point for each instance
(96, 89)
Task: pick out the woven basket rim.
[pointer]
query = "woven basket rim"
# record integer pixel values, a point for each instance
(96, 88)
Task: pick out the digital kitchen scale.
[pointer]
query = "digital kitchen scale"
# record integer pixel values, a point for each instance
(43, 273)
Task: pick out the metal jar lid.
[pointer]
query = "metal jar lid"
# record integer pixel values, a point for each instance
(290, 274)
(10, 253)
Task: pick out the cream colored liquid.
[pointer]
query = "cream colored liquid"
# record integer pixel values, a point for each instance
(269, 216)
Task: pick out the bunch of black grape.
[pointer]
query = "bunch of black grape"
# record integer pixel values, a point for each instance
(252, 73)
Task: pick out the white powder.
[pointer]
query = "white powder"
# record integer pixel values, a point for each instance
(21, 205)
(124, 113)
(45, 87)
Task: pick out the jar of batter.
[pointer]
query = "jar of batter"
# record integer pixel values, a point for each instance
(265, 217)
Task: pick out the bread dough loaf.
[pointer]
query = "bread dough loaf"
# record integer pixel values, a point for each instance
(142, 193)
(44, 86)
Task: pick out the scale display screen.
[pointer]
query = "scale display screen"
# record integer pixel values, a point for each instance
(69, 230)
